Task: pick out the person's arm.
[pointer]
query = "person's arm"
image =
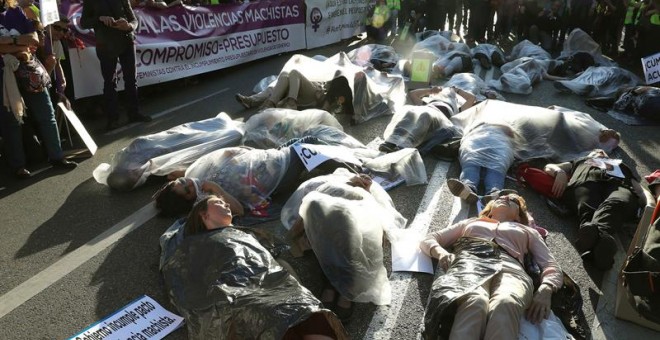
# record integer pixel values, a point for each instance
(551, 278)
(89, 18)
(560, 172)
(128, 24)
(235, 206)
(417, 95)
(637, 188)
(434, 243)
(470, 99)
(11, 45)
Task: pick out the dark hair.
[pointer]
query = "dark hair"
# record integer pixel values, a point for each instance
(171, 204)
(195, 224)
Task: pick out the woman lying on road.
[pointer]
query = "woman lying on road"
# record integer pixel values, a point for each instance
(485, 275)
(228, 286)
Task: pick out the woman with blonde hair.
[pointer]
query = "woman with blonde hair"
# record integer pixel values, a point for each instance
(486, 280)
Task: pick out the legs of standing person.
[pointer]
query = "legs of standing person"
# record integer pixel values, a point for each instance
(510, 294)
(471, 314)
(127, 62)
(13, 142)
(458, 10)
(108, 71)
(41, 109)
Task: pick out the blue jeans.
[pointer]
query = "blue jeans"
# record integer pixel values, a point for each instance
(40, 109)
(472, 174)
(128, 70)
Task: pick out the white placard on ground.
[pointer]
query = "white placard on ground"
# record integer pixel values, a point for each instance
(143, 318)
(407, 256)
(312, 155)
(651, 65)
(80, 128)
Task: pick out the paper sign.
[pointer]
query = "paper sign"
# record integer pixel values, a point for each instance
(651, 65)
(80, 128)
(407, 257)
(611, 166)
(421, 70)
(49, 12)
(386, 183)
(312, 155)
(143, 318)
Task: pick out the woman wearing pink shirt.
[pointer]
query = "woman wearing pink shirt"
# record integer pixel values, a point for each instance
(485, 287)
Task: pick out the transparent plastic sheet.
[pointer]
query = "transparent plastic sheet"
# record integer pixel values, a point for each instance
(272, 127)
(489, 146)
(381, 57)
(487, 50)
(579, 41)
(374, 93)
(471, 83)
(476, 262)
(344, 226)
(548, 329)
(166, 151)
(526, 48)
(290, 210)
(554, 133)
(449, 35)
(453, 62)
(265, 83)
(412, 125)
(406, 163)
(640, 105)
(439, 46)
(518, 76)
(228, 286)
(600, 81)
(250, 175)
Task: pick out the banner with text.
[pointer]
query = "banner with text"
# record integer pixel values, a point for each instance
(141, 319)
(182, 41)
(651, 66)
(330, 21)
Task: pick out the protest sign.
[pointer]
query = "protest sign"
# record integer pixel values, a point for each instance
(330, 21)
(313, 155)
(79, 127)
(183, 41)
(141, 319)
(48, 12)
(651, 65)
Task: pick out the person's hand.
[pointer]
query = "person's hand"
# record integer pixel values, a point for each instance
(561, 180)
(436, 89)
(106, 20)
(123, 25)
(540, 307)
(50, 61)
(444, 257)
(361, 180)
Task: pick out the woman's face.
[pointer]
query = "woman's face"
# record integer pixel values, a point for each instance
(184, 187)
(217, 215)
(506, 208)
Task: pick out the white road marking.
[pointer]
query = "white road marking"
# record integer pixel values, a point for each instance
(33, 286)
(384, 319)
(170, 110)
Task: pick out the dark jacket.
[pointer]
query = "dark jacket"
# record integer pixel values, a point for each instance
(109, 40)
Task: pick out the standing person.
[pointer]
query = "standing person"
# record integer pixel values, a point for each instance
(114, 24)
(27, 92)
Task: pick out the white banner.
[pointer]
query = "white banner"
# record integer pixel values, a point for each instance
(651, 65)
(313, 155)
(49, 12)
(330, 21)
(141, 319)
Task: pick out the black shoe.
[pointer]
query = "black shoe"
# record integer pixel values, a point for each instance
(388, 147)
(461, 190)
(588, 236)
(112, 125)
(139, 118)
(23, 173)
(603, 253)
(64, 164)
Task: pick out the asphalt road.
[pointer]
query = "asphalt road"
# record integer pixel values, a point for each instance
(59, 216)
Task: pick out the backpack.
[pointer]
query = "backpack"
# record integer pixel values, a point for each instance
(537, 179)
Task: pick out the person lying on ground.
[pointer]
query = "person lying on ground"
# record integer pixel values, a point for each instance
(487, 259)
(416, 124)
(247, 177)
(604, 193)
(343, 223)
(227, 285)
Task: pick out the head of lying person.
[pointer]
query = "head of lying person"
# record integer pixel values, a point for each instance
(210, 213)
(176, 197)
(598, 153)
(507, 208)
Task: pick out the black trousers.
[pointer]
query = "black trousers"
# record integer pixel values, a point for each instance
(605, 204)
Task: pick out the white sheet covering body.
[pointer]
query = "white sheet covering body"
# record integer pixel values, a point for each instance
(167, 151)
(518, 76)
(345, 225)
(555, 133)
(600, 81)
(472, 83)
(579, 41)
(374, 93)
(271, 128)
(412, 124)
(250, 175)
(526, 48)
